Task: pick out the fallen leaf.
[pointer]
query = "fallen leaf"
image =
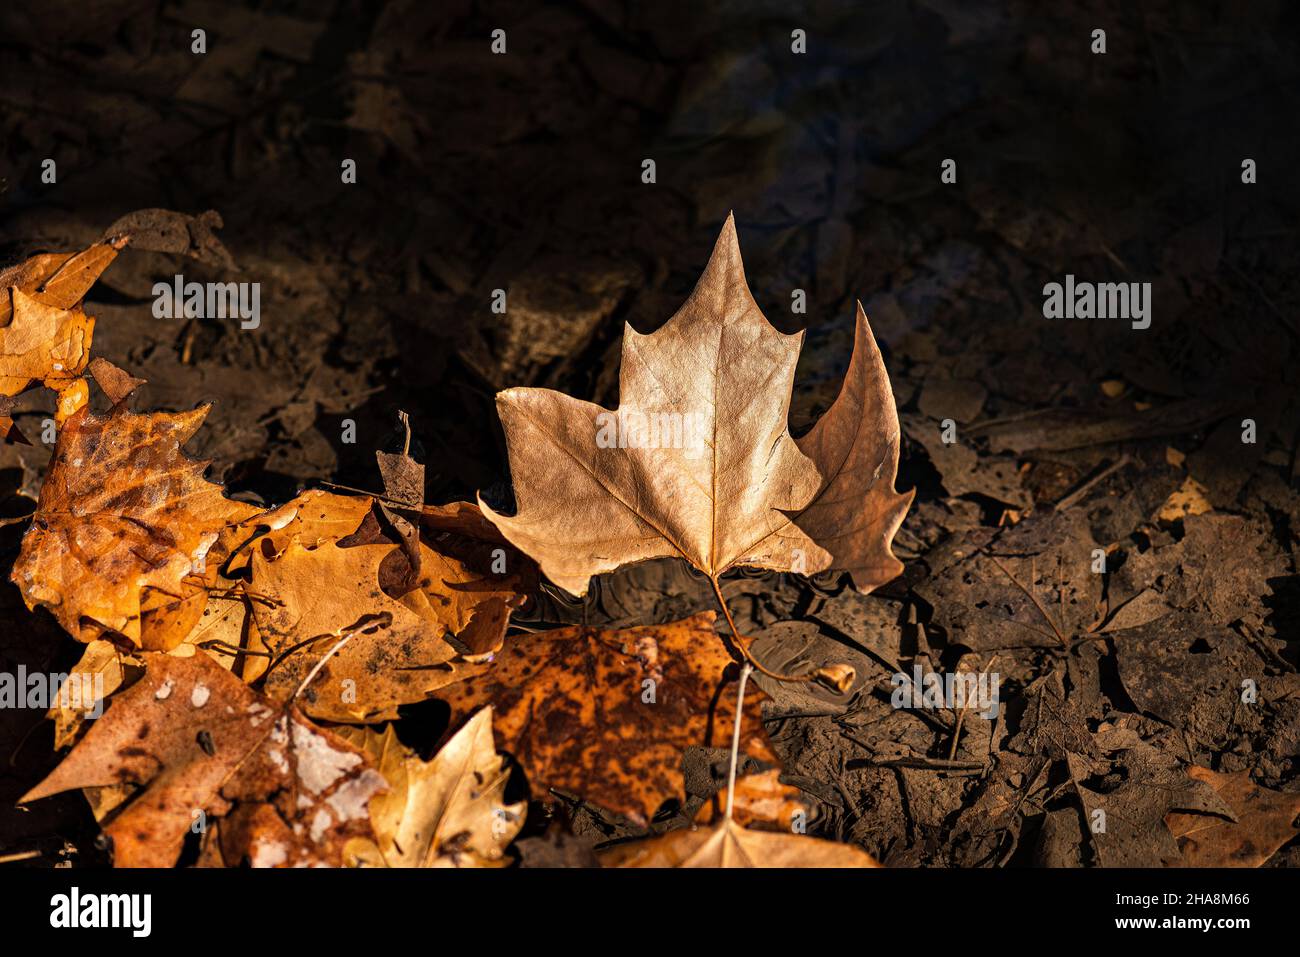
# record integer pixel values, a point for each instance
(197, 740)
(1266, 820)
(115, 383)
(395, 657)
(698, 461)
(310, 519)
(167, 231)
(1188, 499)
(473, 609)
(606, 715)
(727, 844)
(57, 280)
(123, 514)
(758, 798)
(1125, 821)
(462, 579)
(43, 344)
(103, 669)
(448, 812)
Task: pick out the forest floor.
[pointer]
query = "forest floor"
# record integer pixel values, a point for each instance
(1073, 441)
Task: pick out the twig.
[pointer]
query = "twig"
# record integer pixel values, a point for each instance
(18, 856)
(1032, 597)
(961, 715)
(735, 740)
(379, 495)
(926, 764)
(1078, 494)
(321, 664)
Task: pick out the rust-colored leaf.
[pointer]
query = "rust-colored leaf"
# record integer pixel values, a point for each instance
(115, 383)
(124, 525)
(606, 715)
(57, 280)
(43, 345)
(758, 798)
(199, 742)
(1265, 821)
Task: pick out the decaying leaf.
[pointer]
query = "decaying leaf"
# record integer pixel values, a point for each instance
(43, 344)
(473, 608)
(698, 461)
(727, 844)
(314, 597)
(1151, 785)
(167, 231)
(606, 715)
(758, 798)
(103, 669)
(115, 383)
(448, 812)
(1189, 499)
(198, 741)
(310, 519)
(57, 280)
(1265, 821)
(123, 526)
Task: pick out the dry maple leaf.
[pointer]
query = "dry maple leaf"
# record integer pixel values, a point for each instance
(310, 519)
(698, 461)
(43, 344)
(464, 577)
(448, 812)
(314, 597)
(123, 515)
(58, 280)
(1265, 821)
(606, 715)
(727, 844)
(197, 739)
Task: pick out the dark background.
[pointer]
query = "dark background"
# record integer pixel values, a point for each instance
(523, 172)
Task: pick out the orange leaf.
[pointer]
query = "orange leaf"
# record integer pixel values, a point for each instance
(198, 740)
(123, 513)
(606, 715)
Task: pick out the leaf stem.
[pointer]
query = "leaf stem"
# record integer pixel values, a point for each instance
(740, 641)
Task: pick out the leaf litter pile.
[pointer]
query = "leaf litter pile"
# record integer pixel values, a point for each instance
(301, 672)
(259, 662)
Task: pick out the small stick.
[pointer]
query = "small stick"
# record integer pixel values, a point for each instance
(735, 740)
(406, 424)
(1078, 494)
(324, 658)
(961, 715)
(360, 491)
(18, 856)
(1032, 597)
